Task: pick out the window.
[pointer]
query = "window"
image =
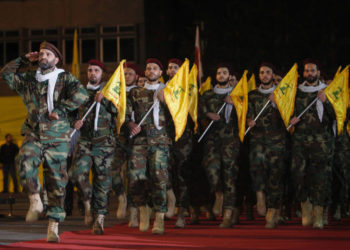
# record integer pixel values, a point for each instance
(12, 50)
(88, 50)
(69, 51)
(110, 50)
(127, 49)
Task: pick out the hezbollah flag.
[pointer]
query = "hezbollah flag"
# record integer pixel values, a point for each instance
(205, 86)
(285, 92)
(337, 93)
(75, 62)
(177, 98)
(115, 91)
(251, 83)
(193, 95)
(239, 97)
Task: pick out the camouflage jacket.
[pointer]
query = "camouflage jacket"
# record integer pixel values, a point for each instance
(310, 127)
(106, 119)
(270, 122)
(140, 101)
(69, 94)
(212, 102)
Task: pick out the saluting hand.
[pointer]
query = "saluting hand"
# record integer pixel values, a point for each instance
(32, 56)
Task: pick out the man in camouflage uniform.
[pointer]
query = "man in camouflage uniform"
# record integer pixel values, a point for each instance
(123, 149)
(148, 165)
(221, 144)
(49, 94)
(95, 149)
(267, 146)
(312, 146)
(179, 168)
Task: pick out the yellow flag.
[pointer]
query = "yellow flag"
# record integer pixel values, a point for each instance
(177, 98)
(285, 92)
(337, 73)
(161, 79)
(115, 91)
(348, 128)
(239, 97)
(205, 86)
(337, 93)
(251, 83)
(193, 95)
(75, 62)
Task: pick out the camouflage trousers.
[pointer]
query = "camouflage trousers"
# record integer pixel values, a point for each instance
(311, 169)
(97, 155)
(341, 169)
(180, 170)
(120, 158)
(267, 167)
(148, 174)
(54, 154)
(220, 164)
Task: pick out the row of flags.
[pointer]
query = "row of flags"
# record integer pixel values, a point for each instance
(181, 93)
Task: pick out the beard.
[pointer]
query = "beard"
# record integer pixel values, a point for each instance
(223, 83)
(45, 65)
(267, 83)
(93, 81)
(311, 79)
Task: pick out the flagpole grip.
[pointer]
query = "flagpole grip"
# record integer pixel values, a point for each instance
(84, 117)
(257, 117)
(211, 123)
(302, 113)
(144, 118)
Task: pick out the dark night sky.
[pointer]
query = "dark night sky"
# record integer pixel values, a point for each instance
(246, 33)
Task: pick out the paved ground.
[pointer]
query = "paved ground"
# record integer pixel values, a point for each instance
(13, 227)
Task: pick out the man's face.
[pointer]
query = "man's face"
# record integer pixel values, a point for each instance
(47, 59)
(153, 72)
(141, 81)
(130, 76)
(222, 75)
(172, 69)
(311, 73)
(266, 75)
(94, 74)
(8, 138)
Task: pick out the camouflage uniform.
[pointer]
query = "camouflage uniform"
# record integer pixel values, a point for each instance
(341, 167)
(180, 169)
(149, 157)
(267, 148)
(45, 140)
(95, 149)
(221, 148)
(312, 151)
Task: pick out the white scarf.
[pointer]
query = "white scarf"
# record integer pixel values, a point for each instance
(98, 105)
(268, 91)
(228, 108)
(310, 89)
(156, 108)
(52, 77)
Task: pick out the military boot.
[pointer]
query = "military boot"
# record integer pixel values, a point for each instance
(144, 218)
(306, 213)
(35, 208)
(180, 222)
(270, 218)
(318, 217)
(227, 219)
(133, 218)
(260, 204)
(97, 228)
(52, 231)
(158, 224)
(171, 200)
(219, 199)
(122, 203)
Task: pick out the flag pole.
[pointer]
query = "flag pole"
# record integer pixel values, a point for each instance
(257, 117)
(211, 123)
(144, 117)
(84, 117)
(306, 109)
